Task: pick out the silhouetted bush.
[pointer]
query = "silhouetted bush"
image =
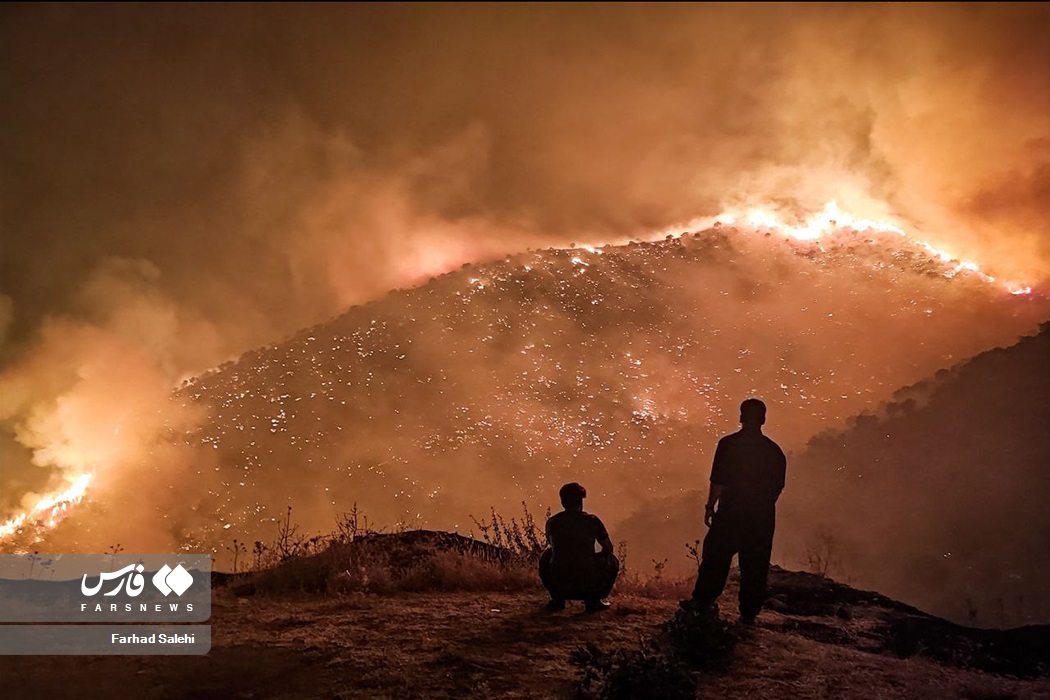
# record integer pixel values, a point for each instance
(664, 667)
(522, 539)
(627, 674)
(654, 584)
(705, 642)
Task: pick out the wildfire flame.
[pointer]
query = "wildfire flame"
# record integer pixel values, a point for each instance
(831, 219)
(49, 510)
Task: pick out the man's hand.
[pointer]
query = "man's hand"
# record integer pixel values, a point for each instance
(709, 511)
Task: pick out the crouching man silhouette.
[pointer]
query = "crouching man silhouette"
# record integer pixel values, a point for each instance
(746, 480)
(570, 569)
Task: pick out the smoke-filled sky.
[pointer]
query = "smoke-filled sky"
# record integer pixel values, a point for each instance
(181, 183)
(262, 167)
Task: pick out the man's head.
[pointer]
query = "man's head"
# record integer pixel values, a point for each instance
(572, 496)
(752, 413)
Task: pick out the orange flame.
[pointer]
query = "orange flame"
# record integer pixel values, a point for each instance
(49, 510)
(831, 219)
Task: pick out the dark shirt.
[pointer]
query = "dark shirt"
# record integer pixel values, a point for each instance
(750, 468)
(572, 534)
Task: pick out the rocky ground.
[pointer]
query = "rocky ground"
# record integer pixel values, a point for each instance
(818, 640)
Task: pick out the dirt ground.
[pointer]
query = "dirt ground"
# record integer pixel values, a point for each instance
(460, 645)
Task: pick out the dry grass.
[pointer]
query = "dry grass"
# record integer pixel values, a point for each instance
(357, 558)
(431, 615)
(654, 584)
(456, 571)
(385, 567)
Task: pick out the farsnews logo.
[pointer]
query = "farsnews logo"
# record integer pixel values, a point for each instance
(168, 580)
(131, 580)
(169, 587)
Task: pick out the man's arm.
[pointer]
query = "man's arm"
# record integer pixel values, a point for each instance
(718, 479)
(781, 472)
(712, 499)
(602, 537)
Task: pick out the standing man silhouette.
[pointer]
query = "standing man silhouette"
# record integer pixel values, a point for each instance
(746, 479)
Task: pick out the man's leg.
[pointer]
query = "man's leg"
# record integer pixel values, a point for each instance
(557, 599)
(607, 569)
(755, 550)
(717, 555)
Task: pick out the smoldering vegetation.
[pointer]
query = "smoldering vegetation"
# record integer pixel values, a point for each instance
(494, 385)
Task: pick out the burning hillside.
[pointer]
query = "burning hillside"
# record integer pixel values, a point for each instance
(617, 366)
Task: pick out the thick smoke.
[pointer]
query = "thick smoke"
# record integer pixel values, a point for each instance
(236, 148)
(91, 394)
(180, 184)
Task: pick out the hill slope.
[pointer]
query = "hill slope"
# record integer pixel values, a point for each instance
(617, 367)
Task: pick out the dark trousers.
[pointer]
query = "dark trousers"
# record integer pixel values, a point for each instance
(591, 579)
(749, 534)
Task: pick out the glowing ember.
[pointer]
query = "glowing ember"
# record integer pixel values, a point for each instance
(49, 510)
